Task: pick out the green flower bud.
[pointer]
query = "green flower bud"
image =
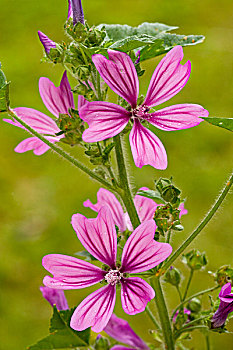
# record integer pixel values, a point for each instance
(168, 191)
(166, 217)
(101, 343)
(80, 89)
(224, 275)
(83, 72)
(194, 259)
(194, 305)
(173, 276)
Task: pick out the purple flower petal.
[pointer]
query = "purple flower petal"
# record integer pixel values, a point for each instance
(55, 297)
(225, 294)
(119, 73)
(98, 235)
(56, 99)
(120, 330)
(95, 311)
(107, 198)
(36, 145)
(168, 78)
(178, 117)
(146, 147)
(70, 11)
(182, 209)
(70, 273)
(36, 120)
(105, 120)
(46, 42)
(121, 347)
(135, 294)
(75, 11)
(81, 102)
(141, 252)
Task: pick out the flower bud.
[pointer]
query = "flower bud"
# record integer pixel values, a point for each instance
(172, 276)
(75, 11)
(46, 42)
(168, 191)
(224, 275)
(83, 72)
(194, 305)
(101, 343)
(194, 259)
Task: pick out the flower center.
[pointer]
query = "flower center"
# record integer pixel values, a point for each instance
(140, 112)
(113, 277)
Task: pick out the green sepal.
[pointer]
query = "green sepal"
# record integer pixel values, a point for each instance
(225, 123)
(151, 194)
(4, 92)
(61, 335)
(86, 255)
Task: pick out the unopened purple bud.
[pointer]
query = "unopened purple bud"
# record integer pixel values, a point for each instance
(46, 42)
(75, 11)
(138, 54)
(55, 297)
(225, 307)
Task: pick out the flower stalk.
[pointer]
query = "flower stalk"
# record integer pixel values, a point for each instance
(163, 314)
(201, 226)
(62, 153)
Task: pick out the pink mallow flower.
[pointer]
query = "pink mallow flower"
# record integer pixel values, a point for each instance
(140, 253)
(119, 329)
(107, 119)
(225, 306)
(55, 297)
(57, 100)
(145, 208)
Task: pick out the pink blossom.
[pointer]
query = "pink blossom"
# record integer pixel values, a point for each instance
(225, 307)
(145, 207)
(55, 297)
(119, 329)
(140, 253)
(57, 100)
(107, 119)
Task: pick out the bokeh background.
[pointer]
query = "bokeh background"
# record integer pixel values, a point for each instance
(40, 194)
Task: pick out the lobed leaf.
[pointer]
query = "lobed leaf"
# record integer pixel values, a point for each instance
(61, 335)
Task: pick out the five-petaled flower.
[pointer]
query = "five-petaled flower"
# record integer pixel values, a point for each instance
(225, 306)
(107, 119)
(145, 208)
(140, 253)
(57, 100)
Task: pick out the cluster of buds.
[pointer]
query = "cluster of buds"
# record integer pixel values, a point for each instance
(224, 275)
(71, 127)
(167, 216)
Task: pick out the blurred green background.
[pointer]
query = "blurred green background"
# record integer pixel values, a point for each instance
(40, 194)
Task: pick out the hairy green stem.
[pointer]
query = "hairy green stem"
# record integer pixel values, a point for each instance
(153, 319)
(183, 330)
(163, 314)
(125, 194)
(191, 297)
(188, 284)
(179, 292)
(62, 153)
(200, 227)
(207, 338)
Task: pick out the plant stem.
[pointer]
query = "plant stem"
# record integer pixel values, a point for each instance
(163, 314)
(126, 195)
(179, 292)
(188, 284)
(200, 227)
(62, 153)
(193, 296)
(207, 342)
(153, 319)
(183, 330)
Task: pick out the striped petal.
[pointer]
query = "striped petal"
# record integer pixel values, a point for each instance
(168, 78)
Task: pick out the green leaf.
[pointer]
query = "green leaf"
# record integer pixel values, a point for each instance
(225, 123)
(151, 194)
(61, 335)
(4, 92)
(166, 42)
(132, 42)
(117, 32)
